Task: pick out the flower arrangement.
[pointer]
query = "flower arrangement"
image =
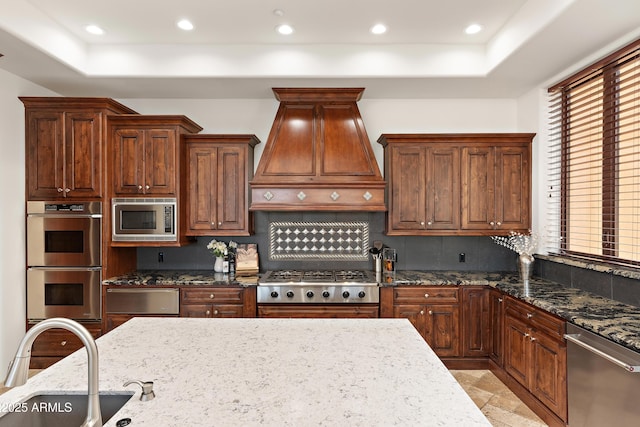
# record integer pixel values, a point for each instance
(218, 249)
(523, 244)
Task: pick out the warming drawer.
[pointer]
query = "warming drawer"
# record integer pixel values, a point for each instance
(143, 301)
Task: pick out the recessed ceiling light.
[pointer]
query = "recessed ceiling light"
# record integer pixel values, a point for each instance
(284, 29)
(94, 29)
(185, 24)
(379, 29)
(473, 29)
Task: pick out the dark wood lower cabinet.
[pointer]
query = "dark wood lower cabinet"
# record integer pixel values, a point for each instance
(435, 313)
(477, 327)
(535, 354)
(55, 344)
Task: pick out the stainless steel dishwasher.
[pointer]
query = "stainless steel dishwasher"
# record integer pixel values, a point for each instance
(143, 301)
(603, 380)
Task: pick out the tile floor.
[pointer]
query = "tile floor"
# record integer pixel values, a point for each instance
(501, 407)
(495, 400)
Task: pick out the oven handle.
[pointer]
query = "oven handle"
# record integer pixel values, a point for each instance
(67, 268)
(50, 215)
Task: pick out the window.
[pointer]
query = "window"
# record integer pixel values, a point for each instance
(594, 180)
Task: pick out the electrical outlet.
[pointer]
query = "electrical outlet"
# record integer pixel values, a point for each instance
(160, 256)
(462, 257)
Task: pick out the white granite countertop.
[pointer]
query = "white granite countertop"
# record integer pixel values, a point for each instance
(270, 372)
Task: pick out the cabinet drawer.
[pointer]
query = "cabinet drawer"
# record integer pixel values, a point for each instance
(211, 310)
(537, 318)
(211, 296)
(426, 295)
(58, 342)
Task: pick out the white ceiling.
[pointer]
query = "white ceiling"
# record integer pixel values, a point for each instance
(235, 52)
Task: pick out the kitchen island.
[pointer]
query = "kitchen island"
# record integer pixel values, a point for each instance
(245, 372)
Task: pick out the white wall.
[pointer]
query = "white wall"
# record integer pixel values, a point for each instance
(255, 116)
(12, 213)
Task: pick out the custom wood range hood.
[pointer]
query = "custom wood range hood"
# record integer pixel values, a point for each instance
(318, 155)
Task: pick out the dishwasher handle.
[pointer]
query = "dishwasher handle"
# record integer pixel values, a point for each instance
(575, 338)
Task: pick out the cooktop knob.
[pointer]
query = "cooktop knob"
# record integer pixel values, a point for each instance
(274, 294)
(290, 294)
(345, 294)
(325, 294)
(310, 294)
(361, 294)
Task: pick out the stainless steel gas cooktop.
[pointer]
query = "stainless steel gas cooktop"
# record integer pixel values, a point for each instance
(318, 286)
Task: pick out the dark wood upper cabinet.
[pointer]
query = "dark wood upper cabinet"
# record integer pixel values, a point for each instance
(65, 146)
(146, 153)
(457, 184)
(218, 172)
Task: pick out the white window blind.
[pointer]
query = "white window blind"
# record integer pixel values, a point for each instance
(594, 161)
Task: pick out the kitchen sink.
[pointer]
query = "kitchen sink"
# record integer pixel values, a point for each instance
(60, 410)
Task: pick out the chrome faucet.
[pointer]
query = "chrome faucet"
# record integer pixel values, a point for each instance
(19, 367)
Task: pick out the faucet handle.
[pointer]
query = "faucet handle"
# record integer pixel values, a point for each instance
(147, 389)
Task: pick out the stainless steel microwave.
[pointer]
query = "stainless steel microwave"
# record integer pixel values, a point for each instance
(143, 220)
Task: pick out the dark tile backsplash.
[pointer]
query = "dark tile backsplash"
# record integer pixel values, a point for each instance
(414, 253)
(607, 284)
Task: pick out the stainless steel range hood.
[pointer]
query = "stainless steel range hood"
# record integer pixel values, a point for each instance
(318, 156)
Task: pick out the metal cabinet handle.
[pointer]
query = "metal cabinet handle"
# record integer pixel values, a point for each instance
(220, 223)
(499, 299)
(529, 315)
(60, 190)
(426, 295)
(430, 312)
(216, 312)
(66, 190)
(63, 343)
(208, 312)
(139, 187)
(212, 296)
(146, 187)
(498, 223)
(533, 339)
(526, 334)
(422, 312)
(429, 223)
(421, 222)
(492, 223)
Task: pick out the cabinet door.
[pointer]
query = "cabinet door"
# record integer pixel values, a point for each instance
(512, 183)
(476, 323)
(443, 329)
(408, 189)
(416, 315)
(231, 189)
(516, 348)
(478, 188)
(160, 162)
(45, 154)
(496, 313)
(202, 182)
(83, 155)
(549, 372)
(129, 155)
(443, 188)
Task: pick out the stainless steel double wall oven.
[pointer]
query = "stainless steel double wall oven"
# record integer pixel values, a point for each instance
(64, 260)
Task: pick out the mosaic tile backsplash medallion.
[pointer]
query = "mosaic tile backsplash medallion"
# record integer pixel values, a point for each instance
(319, 240)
